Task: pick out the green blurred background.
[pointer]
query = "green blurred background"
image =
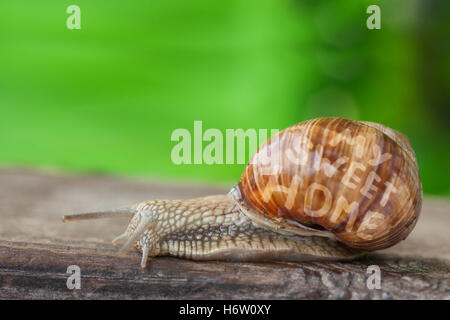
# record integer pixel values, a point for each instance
(107, 98)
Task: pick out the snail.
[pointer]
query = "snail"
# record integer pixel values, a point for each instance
(322, 189)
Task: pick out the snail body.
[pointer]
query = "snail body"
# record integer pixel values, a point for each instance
(327, 188)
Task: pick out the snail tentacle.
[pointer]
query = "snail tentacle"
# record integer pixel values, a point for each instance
(126, 212)
(120, 238)
(145, 252)
(142, 224)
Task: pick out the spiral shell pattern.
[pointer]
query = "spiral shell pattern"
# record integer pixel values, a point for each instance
(358, 180)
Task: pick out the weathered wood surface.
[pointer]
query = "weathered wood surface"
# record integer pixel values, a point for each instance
(36, 249)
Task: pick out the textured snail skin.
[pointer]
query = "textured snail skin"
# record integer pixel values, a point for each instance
(327, 188)
(214, 228)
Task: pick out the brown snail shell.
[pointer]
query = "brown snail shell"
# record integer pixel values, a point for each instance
(356, 180)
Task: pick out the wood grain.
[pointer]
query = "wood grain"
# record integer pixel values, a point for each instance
(36, 249)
